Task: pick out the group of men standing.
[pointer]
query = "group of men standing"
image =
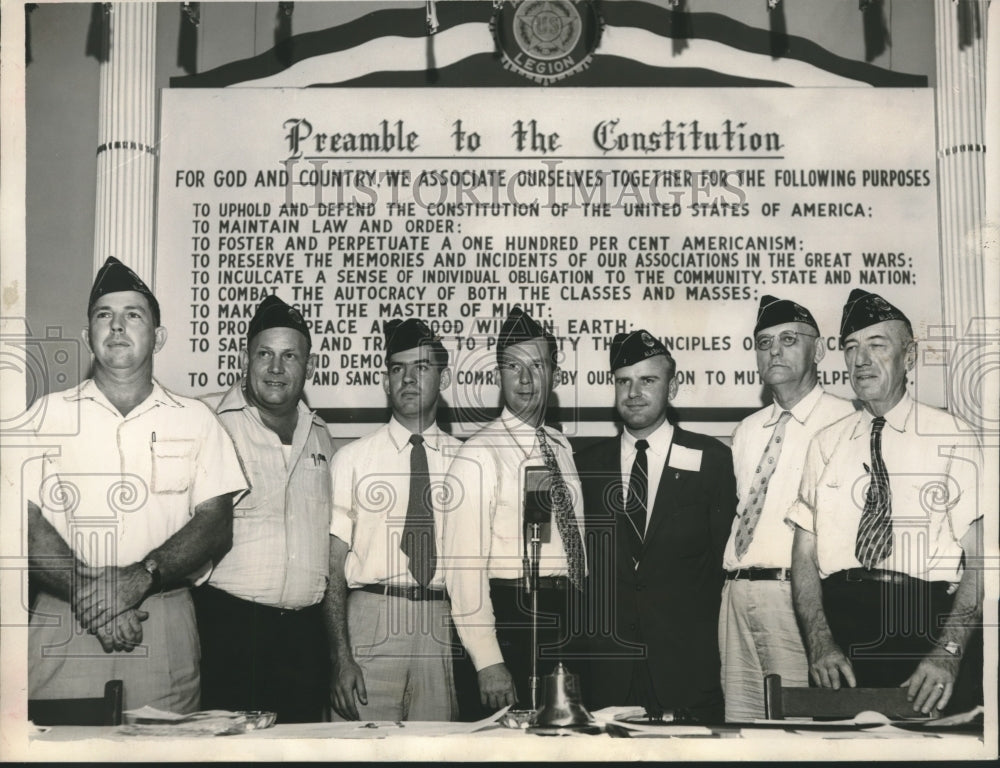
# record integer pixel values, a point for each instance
(674, 573)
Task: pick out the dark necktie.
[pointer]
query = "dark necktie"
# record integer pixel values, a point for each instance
(636, 506)
(562, 505)
(418, 533)
(874, 543)
(758, 490)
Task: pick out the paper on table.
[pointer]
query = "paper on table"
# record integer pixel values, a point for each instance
(428, 728)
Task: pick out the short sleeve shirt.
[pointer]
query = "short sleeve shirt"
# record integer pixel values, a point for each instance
(934, 463)
(115, 486)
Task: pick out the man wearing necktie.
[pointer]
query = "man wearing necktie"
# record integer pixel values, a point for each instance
(886, 557)
(390, 637)
(659, 505)
(758, 634)
(484, 532)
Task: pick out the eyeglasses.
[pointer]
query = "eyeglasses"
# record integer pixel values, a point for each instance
(786, 338)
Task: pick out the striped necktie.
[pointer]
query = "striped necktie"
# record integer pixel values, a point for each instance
(758, 490)
(874, 543)
(562, 505)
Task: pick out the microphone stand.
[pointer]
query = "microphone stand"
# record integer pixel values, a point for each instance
(531, 586)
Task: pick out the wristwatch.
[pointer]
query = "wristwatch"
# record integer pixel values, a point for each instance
(150, 566)
(952, 648)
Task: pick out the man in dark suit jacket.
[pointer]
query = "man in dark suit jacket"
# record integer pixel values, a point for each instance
(659, 503)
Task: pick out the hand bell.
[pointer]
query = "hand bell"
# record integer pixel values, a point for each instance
(561, 703)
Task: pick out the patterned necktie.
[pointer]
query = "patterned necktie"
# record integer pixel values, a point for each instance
(562, 504)
(874, 543)
(638, 497)
(418, 532)
(758, 490)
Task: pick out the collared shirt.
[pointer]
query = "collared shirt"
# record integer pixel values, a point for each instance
(483, 529)
(280, 554)
(656, 459)
(116, 487)
(771, 546)
(371, 490)
(933, 461)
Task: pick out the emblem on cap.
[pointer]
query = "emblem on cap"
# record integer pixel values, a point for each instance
(546, 40)
(648, 340)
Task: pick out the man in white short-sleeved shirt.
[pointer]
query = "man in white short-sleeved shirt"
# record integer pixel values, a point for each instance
(758, 634)
(887, 552)
(387, 610)
(130, 500)
(263, 644)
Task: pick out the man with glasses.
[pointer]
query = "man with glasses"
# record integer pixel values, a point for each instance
(758, 634)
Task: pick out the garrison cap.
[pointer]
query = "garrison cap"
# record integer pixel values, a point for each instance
(634, 347)
(774, 311)
(402, 335)
(864, 309)
(520, 327)
(272, 312)
(113, 277)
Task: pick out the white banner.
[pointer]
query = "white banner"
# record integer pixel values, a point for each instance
(673, 210)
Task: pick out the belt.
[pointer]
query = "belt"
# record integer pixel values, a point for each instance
(410, 593)
(544, 582)
(854, 575)
(760, 574)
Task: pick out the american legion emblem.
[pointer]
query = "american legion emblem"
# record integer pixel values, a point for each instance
(546, 40)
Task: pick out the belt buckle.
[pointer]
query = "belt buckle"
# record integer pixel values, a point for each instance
(851, 578)
(413, 593)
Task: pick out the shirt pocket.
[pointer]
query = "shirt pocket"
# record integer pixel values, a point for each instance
(172, 465)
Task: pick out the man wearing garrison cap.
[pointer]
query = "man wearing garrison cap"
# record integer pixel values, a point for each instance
(659, 502)
(886, 558)
(758, 634)
(129, 501)
(387, 611)
(262, 637)
(484, 532)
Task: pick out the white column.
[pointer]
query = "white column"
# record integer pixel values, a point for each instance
(961, 106)
(126, 144)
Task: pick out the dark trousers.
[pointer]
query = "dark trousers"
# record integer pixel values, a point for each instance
(886, 629)
(254, 657)
(512, 612)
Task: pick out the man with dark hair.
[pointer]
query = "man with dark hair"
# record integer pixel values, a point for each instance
(126, 506)
(262, 639)
(758, 634)
(887, 553)
(660, 501)
(390, 636)
(484, 532)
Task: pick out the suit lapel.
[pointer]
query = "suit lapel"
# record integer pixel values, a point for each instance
(672, 483)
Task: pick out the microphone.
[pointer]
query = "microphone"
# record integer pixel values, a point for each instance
(537, 495)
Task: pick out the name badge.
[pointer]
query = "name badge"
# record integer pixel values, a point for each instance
(688, 459)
